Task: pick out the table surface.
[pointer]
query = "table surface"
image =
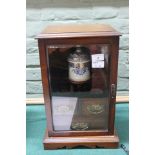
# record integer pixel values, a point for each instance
(36, 124)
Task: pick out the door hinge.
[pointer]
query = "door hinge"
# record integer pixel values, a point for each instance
(113, 90)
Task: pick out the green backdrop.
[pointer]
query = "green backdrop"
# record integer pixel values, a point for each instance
(36, 124)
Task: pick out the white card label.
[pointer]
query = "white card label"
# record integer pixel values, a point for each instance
(98, 61)
(98, 64)
(97, 57)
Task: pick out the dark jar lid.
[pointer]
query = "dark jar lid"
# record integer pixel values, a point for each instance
(79, 54)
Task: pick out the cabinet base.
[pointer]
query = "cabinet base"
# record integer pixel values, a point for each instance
(109, 141)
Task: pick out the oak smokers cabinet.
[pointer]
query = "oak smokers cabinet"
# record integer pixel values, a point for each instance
(79, 77)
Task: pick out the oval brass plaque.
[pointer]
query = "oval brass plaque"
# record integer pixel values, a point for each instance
(95, 108)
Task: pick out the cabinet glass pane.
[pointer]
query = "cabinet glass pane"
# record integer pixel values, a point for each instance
(79, 77)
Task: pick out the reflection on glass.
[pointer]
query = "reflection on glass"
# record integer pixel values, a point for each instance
(79, 86)
(63, 111)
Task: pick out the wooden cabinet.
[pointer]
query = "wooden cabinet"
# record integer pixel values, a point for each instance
(79, 77)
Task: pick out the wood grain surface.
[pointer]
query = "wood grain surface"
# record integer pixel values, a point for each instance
(78, 30)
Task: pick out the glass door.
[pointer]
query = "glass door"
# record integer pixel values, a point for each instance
(79, 78)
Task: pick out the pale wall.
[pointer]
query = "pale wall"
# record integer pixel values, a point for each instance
(44, 12)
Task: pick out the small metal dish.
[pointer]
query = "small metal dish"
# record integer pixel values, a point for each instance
(79, 126)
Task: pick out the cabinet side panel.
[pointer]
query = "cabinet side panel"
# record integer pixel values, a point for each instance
(45, 84)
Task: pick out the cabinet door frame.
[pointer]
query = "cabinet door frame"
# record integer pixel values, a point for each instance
(114, 43)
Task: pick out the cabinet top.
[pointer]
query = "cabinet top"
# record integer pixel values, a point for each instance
(77, 30)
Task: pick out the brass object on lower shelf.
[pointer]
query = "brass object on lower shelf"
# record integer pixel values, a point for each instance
(79, 126)
(95, 108)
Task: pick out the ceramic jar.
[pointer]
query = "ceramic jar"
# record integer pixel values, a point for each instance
(79, 65)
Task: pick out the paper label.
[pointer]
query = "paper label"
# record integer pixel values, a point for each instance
(98, 64)
(98, 61)
(97, 57)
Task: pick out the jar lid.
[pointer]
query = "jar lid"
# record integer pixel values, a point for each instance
(79, 54)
